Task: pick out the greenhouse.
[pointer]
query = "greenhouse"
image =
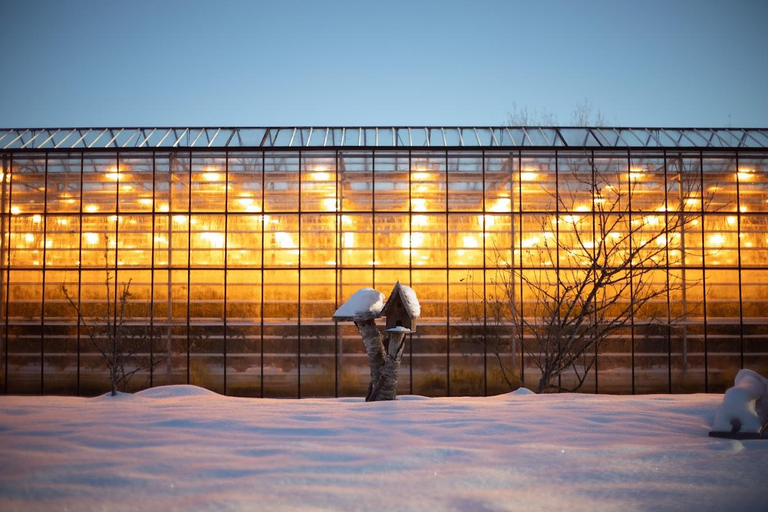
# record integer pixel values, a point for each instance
(221, 254)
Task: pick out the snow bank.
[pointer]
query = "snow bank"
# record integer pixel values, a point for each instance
(365, 303)
(409, 296)
(745, 405)
(182, 448)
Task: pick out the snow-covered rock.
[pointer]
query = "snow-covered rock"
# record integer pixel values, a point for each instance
(364, 304)
(745, 405)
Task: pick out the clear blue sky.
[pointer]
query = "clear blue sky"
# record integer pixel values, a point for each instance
(156, 62)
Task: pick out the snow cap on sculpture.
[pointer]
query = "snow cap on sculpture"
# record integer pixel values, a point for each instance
(402, 309)
(364, 304)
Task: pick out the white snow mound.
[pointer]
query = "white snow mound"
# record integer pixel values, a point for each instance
(175, 391)
(363, 302)
(746, 403)
(409, 296)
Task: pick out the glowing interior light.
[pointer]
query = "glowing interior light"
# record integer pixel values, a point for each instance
(695, 222)
(249, 204)
(346, 220)
(651, 220)
(745, 174)
(113, 174)
(62, 222)
(528, 176)
(29, 237)
(329, 204)
(530, 242)
(470, 242)
(615, 235)
(693, 201)
(160, 239)
(321, 176)
(348, 240)
(211, 176)
(180, 219)
(548, 235)
(163, 208)
(716, 239)
(421, 176)
(412, 240)
(418, 205)
(91, 238)
(742, 209)
(48, 244)
(503, 204)
(91, 208)
(215, 240)
(145, 201)
(661, 240)
(732, 220)
(37, 219)
(15, 210)
(284, 240)
(636, 173)
(419, 220)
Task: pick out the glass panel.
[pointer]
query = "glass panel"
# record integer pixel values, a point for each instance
(281, 240)
(135, 183)
(393, 240)
(318, 240)
(647, 183)
(430, 370)
(687, 330)
(244, 233)
(428, 186)
(720, 184)
(206, 329)
(391, 182)
(537, 183)
(318, 183)
(755, 312)
(245, 182)
(281, 175)
(25, 296)
(209, 184)
(356, 177)
(60, 334)
(63, 188)
(318, 333)
(753, 185)
(500, 173)
(466, 301)
(28, 185)
(465, 183)
(354, 373)
(723, 329)
(170, 339)
(465, 240)
(244, 333)
(281, 333)
(208, 240)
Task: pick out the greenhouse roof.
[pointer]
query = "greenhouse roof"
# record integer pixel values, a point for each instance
(26, 139)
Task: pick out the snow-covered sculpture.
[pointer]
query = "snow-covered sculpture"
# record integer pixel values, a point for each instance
(384, 350)
(744, 412)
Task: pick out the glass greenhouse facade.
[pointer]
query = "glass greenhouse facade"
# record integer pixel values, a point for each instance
(238, 244)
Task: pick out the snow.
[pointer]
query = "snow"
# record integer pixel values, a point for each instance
(399, 328)
(185, 448)
(746, 402)
(365, 303)
(409, 297)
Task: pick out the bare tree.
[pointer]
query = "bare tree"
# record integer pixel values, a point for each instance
(120, 349)
(584, 114)
(587, 272)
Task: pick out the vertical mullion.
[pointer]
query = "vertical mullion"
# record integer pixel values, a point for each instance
(80, 270)
(410, 258)
(593, 170)
(261, 315)
(298, 302)
(485, 305)
(738, 247)
(42, 311)
(633, 311)
(226, 253)
(666, 273)
(336, 274)
(557, 246)
(7, 214)
(189, 257)
(704, 278)
(447, 293)
(152, 283)
(520, 265)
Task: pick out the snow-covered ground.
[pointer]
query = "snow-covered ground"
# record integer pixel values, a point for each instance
(184, 448)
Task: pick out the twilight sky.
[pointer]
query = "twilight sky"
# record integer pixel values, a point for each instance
(393, 62)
